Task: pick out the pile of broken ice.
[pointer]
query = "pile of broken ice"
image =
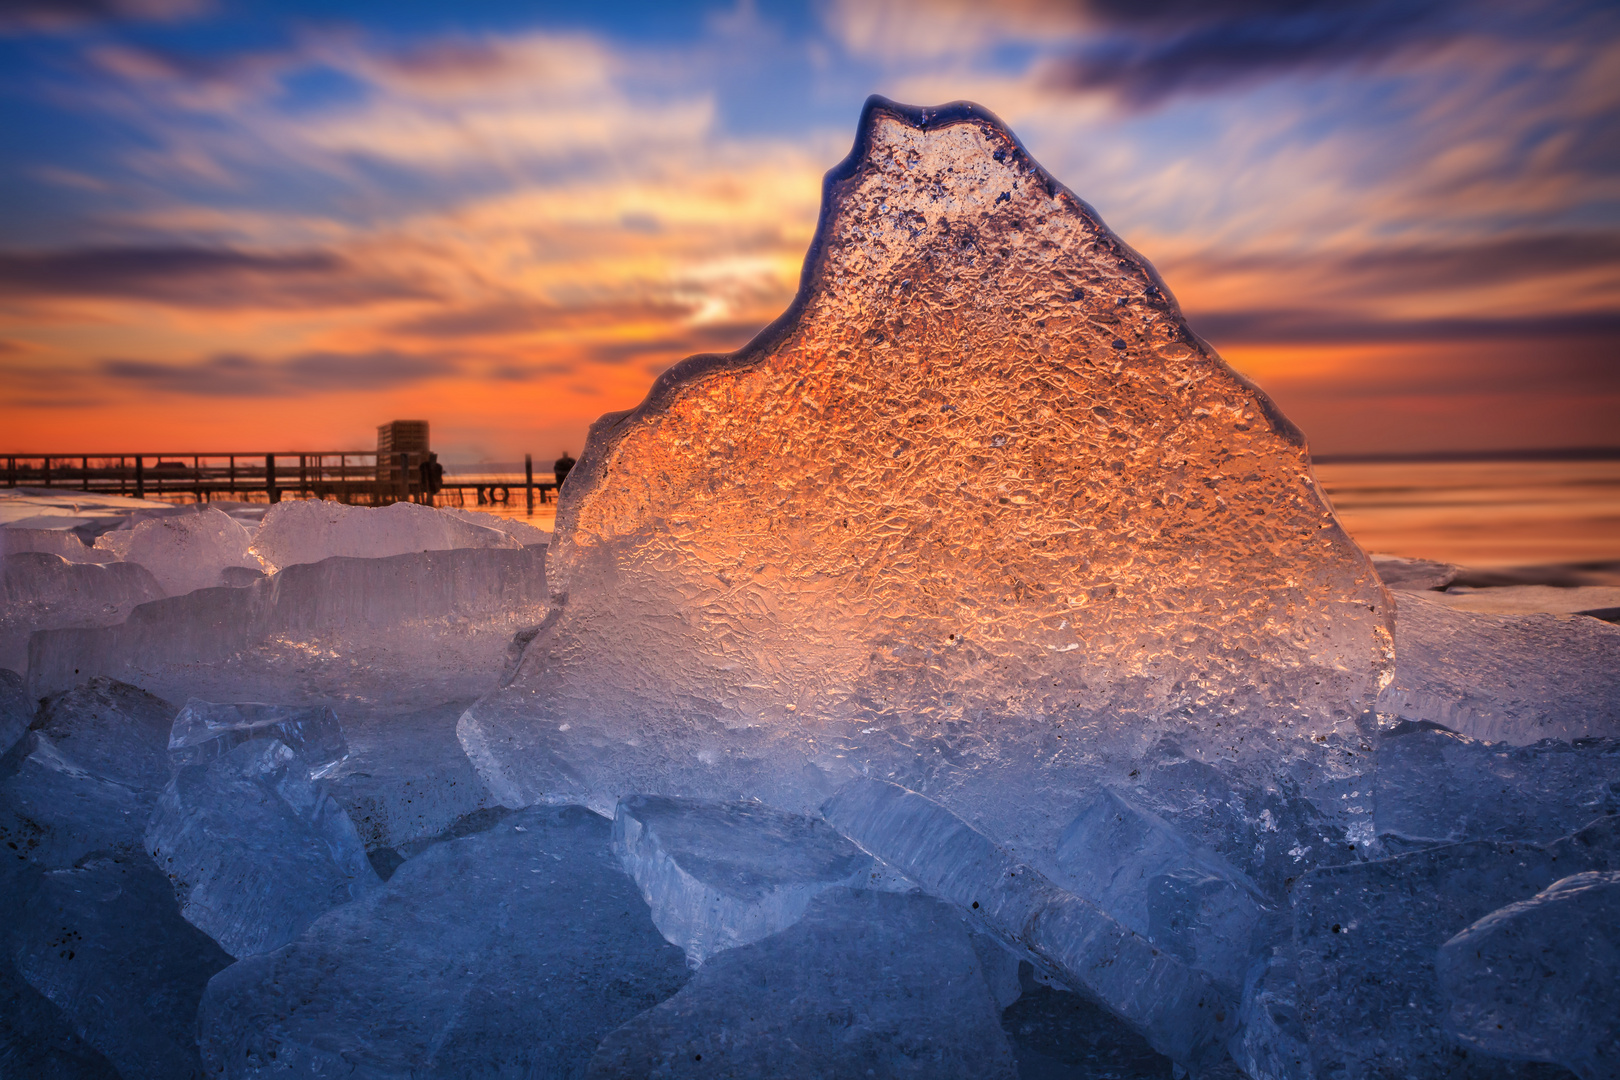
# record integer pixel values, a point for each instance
(967, 679)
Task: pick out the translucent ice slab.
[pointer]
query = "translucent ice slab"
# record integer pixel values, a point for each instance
(720, 875)
(104, 943)
(407, 602)
(511, 952)
(63, 542)
(204, 731)
(1539, 980)
(255, 849)
(41, 591)
(309, 530)
(1434, 786)
(979, 511)
(192, 550)
(1368, 934)
(868, 984)
(1506, 678)
(1181, 1011)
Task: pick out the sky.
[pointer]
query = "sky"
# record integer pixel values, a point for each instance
(253, 226)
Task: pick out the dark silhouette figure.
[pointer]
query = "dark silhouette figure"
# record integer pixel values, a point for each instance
(561, 467)
(432, 474)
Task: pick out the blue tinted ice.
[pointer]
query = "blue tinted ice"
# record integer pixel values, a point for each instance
(204, 731)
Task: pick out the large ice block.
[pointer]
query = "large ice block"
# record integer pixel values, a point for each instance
(112, 729)
(404, 603)
(63, 542)
(42, 591)
(720, 875)
(54, 812)
(1539, 980)
(309, 530)
(1368, 935)
(1180, 896)
(1435, 786)
(868, 984)
(192, 550)
(204, 731)
(1516, 679)
(256, 850)
(1181, 1011)
(979, 512)
(511, 952)
(104, 943)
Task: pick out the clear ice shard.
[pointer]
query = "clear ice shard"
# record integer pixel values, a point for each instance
(511, 952)
(979, 511)
(1505, 678)
(103, 942)
(42, 591)
(1181, 1012)
(1539, 980)
(256, 850)
(191, 551)
(1435, 786)
(206, 730)
(1180, 896)
(720, 875)
(310, 530)
(1368, 934)
(868, 984)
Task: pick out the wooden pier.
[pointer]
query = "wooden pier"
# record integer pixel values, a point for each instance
(363, 477)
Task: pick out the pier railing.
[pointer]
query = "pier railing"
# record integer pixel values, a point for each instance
(350, 476)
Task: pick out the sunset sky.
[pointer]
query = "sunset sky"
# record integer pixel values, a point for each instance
(271, 226)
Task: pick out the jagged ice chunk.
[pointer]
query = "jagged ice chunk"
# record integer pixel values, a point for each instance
(310, 530)
(204, 731)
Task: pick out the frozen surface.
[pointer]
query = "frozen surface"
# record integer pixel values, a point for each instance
(16, 711)
(309, 530)
(112, 729)
(1414, 574)
(42, 591)
(205, 730)
(407, 984)
(191, 550)
(1540, 979)
(979, 512)
(256, 850)
(62, 542)
(1368, 935)
(1181, 1012)
(419, 608)
(720, 875)
(1532, 599)
(521, 531)
(867, 984)
(1434, 785)
(1506, 678)
(1180, 896)
(104, 943)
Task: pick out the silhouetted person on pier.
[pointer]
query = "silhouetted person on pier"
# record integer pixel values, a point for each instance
(560, 467)
(432, 477)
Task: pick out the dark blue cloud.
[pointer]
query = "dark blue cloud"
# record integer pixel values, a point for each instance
(234, 375)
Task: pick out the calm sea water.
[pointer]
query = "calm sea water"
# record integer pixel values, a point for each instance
(1478, 513)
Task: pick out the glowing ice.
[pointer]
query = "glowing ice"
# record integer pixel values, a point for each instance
(978, 507)
(191, 551)
(42, 591)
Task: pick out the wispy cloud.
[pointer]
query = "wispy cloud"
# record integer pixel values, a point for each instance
(234, 375)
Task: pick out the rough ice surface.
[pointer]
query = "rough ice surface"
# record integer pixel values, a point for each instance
(103, 942)
(409, 603)
(511, 952)
(978, 511)
(1180, 896)
(192, 550)
(43, 591)
(1435, 786)
(1506, 678)
(1180, 1011)
(1414, 574)
(256, 850)
(310, 530)
(16, 711)
(720, 875)
(1535, 980)
(1368, 935)
(206, 730)
(867, 984)
(63, 542)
